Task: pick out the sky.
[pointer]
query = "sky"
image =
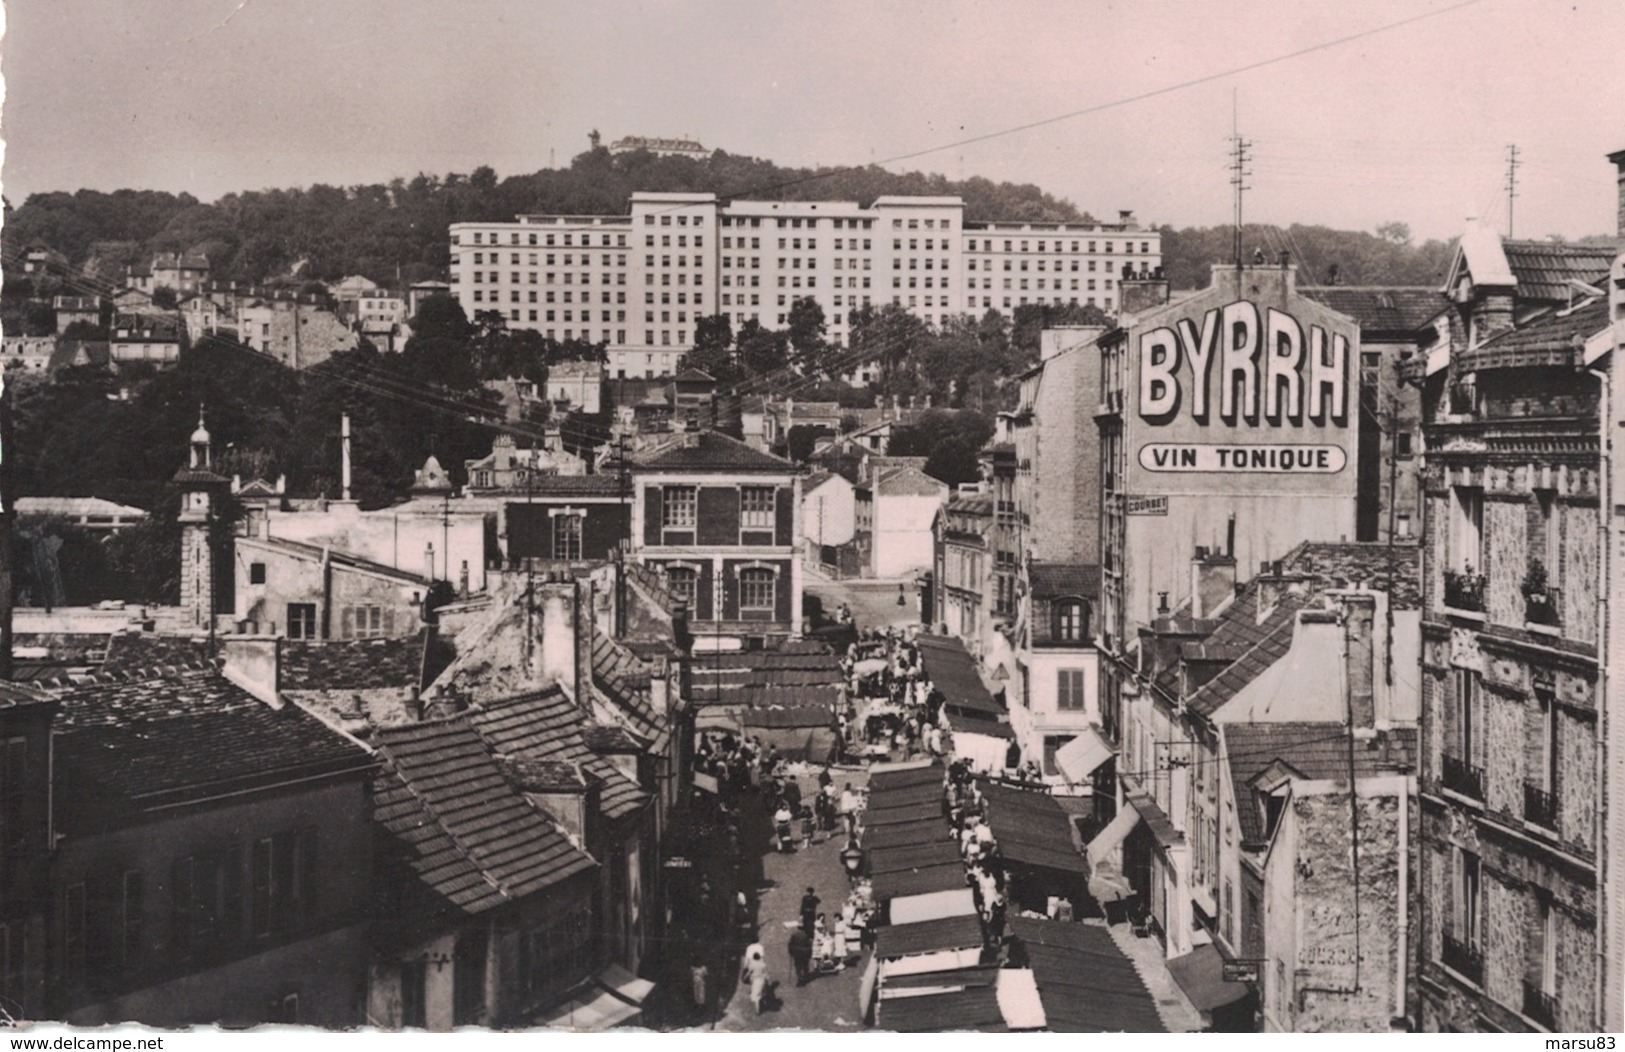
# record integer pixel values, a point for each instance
(1408, 124)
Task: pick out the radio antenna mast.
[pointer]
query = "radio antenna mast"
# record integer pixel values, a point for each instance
(1238, 170)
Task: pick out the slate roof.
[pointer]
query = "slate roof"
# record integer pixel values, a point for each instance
(1054, 580)
(470, 835)
(1544, 268)
(624, 680)
(1552, 339)
(353, 664)
(547, 725)
(1381, 310)
(710, 451)
(1031, 828)
(930, 936)
(1086, 983)
(1353, 564)
(167, 739)
(1316, 751)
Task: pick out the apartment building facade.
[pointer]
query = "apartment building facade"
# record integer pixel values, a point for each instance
(1514, 864)
(639, 283)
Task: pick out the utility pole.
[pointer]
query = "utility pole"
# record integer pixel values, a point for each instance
(1512, 181)
(1238, 173)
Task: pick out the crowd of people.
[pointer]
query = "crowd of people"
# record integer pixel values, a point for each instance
(892, 710)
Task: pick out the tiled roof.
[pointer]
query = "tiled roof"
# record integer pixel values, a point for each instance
(1054, 580)
(1396, 310)
(694, 376)
(334, 555)
(1031, 828)
(18, 695)
(544, 486)
(623, 679)
(353, 664)
(764, 677)
(1316, 751)
(1086, 983)
(166, 739)
(470, 834)
(1545, 268)
(1552, 339)
(1265, 643)
(547, 725)
(130, 651)
(710, 451)
(968, 1008)
(602, 738)
(1351, 565)
(96, 352)
(978, 504)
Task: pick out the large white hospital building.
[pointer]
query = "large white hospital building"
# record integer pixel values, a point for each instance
(639, 282)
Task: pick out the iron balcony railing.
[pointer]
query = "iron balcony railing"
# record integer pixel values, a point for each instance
(1539, 806)
(1539, 1005)
(1541, 608)
(1464, 778)
(1463, 958)
(1464, 590)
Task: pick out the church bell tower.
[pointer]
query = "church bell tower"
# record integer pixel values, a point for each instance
(200, 488)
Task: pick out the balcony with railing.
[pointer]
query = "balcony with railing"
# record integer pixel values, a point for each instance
(1463, 958)
(1539, 806)
(1464, 590)
(1461, 777)
(1539, 1005)
(1542, 608)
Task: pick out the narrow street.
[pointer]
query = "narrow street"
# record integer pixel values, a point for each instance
(827, 1002)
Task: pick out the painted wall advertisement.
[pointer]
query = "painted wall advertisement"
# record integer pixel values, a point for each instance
(1244, 394)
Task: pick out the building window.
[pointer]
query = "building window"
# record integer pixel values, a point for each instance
(1465, 910)
(1070, 622)
(683, 583)
(301, 620)
(256, 573)
(567, 537)
(756, 591)
(368, 622)
(1467, 529)
(677, 507)
(284, 882)
(756, 505)
(1069, 690)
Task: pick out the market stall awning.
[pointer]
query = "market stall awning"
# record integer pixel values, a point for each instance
(955, 903)
(1106, 841)
(1083, 755)
(944, 933)
(614, 997)
(1200, 974)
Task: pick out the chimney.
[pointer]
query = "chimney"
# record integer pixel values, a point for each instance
(254, 664)
(558, 638)
(1213, 580)
(1139, 294)
(344, 435)
(1359, 622)
(414, 703)
(1618, 161)
(660, 693)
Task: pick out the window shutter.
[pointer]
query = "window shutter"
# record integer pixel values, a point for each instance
(704, 599)
(781, 592)
(652, 509)
(784, 530)
(389, 623)
(730, 592)
(348, 622)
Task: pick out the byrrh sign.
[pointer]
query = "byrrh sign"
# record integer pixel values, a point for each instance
(1244, 388)
(1265, 365)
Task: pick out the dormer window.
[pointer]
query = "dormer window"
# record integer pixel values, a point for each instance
(1071, 621)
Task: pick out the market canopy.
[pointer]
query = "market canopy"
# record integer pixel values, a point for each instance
(1082, 756)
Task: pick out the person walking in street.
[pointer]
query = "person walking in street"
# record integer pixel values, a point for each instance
(753, 973)
(700, 979)
(801, 951)
(849, 809)
(809, 911)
